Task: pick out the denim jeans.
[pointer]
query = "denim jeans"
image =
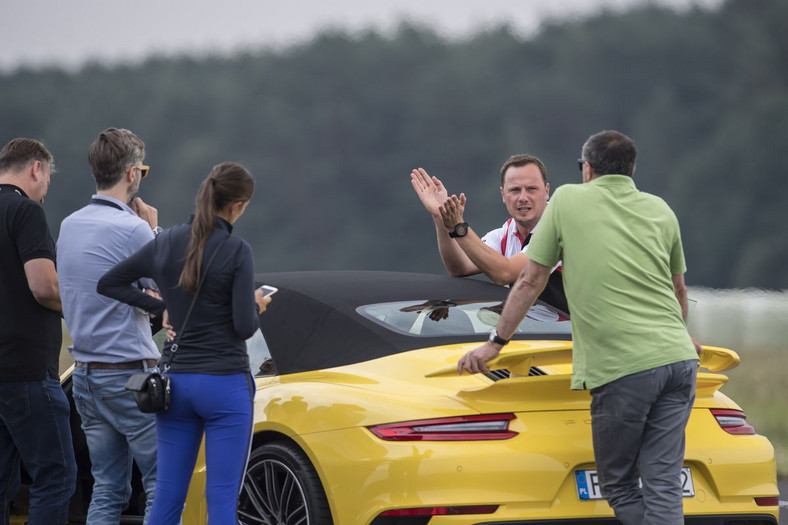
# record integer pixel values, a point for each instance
(638, 425)
(34, 427)
(116, 433)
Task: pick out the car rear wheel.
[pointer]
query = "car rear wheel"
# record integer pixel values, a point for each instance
(282, 488)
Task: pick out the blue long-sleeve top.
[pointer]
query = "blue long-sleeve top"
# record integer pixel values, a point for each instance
(225, 313)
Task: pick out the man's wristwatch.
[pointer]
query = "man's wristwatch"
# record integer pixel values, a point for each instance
(460, 230)
(494, 338)
(157, 230)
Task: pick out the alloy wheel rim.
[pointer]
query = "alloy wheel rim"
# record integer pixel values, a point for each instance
(272, 495)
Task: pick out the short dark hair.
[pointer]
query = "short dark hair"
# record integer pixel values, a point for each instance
(610, 152)
(112, 153)
(523, 159)
(20, 152)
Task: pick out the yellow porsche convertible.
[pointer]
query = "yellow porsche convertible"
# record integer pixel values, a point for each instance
(362, 419)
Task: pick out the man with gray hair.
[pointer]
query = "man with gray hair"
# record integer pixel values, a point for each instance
(111, 340)
(624, 279)
(34, 411)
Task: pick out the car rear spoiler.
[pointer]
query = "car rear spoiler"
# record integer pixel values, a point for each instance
(520, 360)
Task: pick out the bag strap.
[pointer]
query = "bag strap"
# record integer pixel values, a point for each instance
(174, 346)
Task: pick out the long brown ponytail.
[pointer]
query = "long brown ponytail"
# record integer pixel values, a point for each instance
(227, 183)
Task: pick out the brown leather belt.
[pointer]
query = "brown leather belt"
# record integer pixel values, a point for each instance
(129, 365)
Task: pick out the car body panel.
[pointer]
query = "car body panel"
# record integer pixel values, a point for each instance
(530, 476)
(343, 367)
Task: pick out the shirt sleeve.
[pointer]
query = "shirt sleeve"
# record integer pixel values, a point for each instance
(245, 316)
(117, 283)
(493, 238)
(545, 246)
(678, 265)
(33, 240)
(140, 236)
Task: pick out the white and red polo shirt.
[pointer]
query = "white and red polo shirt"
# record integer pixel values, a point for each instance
(506, 240)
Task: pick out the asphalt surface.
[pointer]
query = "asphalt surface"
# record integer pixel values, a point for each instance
(783, 484)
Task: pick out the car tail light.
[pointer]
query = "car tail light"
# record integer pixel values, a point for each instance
(771, 501)
(461, 428)
(732, 421)
(442, 511)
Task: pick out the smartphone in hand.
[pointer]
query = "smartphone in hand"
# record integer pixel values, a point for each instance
(268, 290)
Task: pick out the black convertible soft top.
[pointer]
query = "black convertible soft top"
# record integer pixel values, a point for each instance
(312, 321)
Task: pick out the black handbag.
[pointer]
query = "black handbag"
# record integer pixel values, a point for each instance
(152, 390)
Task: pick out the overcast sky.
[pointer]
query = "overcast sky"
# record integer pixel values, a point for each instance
(69, 32)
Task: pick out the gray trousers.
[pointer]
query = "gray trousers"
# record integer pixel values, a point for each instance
(638, 424)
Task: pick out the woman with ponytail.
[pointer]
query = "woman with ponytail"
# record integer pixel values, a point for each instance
(212, 386)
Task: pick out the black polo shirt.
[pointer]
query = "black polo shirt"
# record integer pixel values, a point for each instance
(30, 335)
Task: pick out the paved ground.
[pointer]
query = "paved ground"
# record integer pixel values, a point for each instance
(783, 501)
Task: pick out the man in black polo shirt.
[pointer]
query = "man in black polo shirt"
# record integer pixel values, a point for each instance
(34, 411)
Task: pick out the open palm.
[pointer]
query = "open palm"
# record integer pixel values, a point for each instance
(430, 190)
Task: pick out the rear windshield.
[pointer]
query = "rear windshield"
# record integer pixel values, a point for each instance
(448, 317)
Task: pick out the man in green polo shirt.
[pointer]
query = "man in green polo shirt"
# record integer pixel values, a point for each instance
(624, 281)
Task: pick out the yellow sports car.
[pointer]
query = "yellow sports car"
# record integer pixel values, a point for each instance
(362, 419)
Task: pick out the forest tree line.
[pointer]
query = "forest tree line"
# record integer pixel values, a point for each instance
(331, 129)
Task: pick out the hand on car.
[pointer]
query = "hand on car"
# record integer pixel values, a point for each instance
(474, 361)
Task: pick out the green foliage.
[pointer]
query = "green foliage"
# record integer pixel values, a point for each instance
(331, 129)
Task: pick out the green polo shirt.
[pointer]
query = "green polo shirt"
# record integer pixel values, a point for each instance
(619, 247)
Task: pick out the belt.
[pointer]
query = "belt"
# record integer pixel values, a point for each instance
(128, 365)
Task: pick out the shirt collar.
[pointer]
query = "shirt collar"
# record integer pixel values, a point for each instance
(221, 223)
(224, 224)
(614, 180)
(116, 201)
(15, 188)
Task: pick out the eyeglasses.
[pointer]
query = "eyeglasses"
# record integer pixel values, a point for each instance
(580, 163)
(144, 170)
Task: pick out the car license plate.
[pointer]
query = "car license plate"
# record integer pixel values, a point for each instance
(588, 484)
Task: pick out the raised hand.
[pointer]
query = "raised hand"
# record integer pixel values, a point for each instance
(146, 212)
(451, 211)
(430, 190)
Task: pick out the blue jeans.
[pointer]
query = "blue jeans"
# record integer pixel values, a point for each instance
(116, 433)
(220, 406)
(34, 427)
(638, 424)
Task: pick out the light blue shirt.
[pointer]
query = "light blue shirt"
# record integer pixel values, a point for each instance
(92, 240)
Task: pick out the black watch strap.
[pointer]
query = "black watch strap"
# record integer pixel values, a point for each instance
(495, 338)
(460, 230)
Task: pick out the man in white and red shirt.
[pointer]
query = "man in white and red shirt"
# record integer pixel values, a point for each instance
(500, 253)
(506, 240)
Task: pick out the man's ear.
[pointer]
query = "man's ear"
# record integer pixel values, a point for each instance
(36, 169)
(588, 173)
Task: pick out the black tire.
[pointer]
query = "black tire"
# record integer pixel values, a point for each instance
(282, 488)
